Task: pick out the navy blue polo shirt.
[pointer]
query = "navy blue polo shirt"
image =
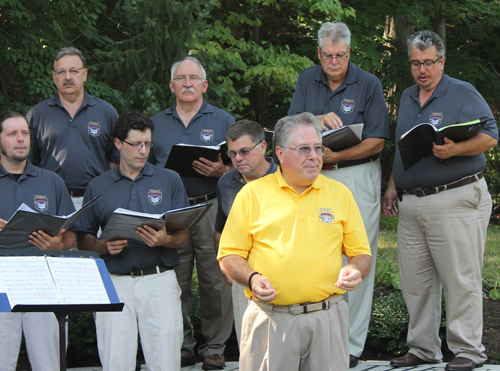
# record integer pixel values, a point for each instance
(453, 101)
(207, 128)
(359, 99)
(118, 190)
(40, 189)
(79, 148)
(228, 187)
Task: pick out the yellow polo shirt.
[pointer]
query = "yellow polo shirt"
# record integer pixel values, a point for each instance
(296, 241)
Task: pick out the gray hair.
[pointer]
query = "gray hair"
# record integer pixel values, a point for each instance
(246, 127)
(423, 40)
(189, 58)
(335, 31)
(285, 127)
(69, 50)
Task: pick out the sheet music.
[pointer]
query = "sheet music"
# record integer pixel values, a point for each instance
(78, 281)
(27, 280)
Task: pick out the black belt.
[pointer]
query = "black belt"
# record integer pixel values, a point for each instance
(340, 165)
(76, 192)
(202, 198)
(422, 192)
(146, 272)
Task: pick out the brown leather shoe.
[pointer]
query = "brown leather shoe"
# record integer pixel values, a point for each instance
(214, 362)
(462, 364)
(408, 360)
(188, 361)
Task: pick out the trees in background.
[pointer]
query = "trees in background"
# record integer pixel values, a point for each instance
(253, 50)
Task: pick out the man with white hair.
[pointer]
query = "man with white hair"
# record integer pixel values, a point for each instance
(339, 93)
(191, 120)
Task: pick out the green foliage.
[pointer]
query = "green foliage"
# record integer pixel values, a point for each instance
(387, 274)
(389, 323)
(82, 341)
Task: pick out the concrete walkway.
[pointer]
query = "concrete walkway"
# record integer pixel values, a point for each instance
(368, 365)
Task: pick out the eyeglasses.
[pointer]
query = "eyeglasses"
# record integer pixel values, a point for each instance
(72, 72)
(193, 78)
(241, 152)
(329, 58)
(427, 63)
(140, 145)
(304, 151)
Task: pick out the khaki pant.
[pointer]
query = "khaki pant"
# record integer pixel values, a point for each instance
(364, 181)
(216, 313)
(277, 341)
(441, 242)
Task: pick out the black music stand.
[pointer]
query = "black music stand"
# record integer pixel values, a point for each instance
(62, 310)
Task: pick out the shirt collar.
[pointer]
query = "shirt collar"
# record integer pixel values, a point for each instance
(240, 178)
(440, 90)
(351, 78)
(88, 100)
(30, 170)
(319, 182)
(117, 175)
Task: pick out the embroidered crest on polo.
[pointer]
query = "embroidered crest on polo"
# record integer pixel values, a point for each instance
(436, 119)
(325, 216)
(347, 105)
(207, 135)
(41, 203)
(94, 128)
(154, 196)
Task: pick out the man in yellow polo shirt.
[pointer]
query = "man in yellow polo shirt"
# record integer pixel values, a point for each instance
(284, 240)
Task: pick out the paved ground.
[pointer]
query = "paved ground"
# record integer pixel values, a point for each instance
(369, 365)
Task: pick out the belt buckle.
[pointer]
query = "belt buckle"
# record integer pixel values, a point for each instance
(419, 192)
(132, 273)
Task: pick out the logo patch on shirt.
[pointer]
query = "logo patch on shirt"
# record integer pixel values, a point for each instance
(347, 105)
(41, 203)
(325, 216)
(94, 128)
(207, 135)
(154, 196)
(436, 119)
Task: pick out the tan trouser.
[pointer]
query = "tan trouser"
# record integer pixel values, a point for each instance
(364, 181)
(216, 311)
(441, 242)
(276, 341)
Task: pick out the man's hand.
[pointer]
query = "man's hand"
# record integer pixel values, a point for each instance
(444, 151)
(45, 242)
(152, 237)
(330, 121)
(330, 157)
(3, 223)
(389, 201)
(208, 168)
(349, 278)
(262, 289)
(115, 247)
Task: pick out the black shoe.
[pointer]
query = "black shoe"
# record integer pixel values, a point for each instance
(353, 361)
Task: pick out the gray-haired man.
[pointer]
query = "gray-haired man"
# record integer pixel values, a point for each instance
(444, 212)
(339, 93)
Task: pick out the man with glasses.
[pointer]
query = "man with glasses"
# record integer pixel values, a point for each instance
(339, 93)
(191, 120)
(247, 147)
(71, 131)
(142, 273)
(284, 240)
(444, 212)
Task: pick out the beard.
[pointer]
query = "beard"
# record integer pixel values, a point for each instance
(13, 156)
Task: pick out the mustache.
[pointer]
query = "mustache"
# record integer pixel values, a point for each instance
(68, 82)
(189, 89)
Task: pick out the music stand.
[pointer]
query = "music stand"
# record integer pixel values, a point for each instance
(62, 310)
